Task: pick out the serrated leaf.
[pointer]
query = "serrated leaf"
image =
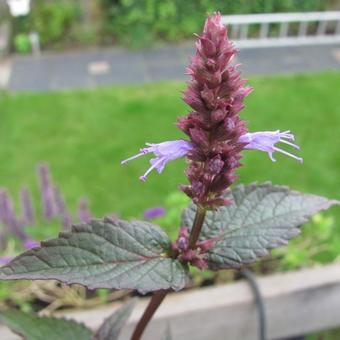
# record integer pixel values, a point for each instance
(104, 254)
(33, 327)
(260, 217)
(113, 325)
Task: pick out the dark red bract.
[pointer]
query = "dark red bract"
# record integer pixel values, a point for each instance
(215, 93)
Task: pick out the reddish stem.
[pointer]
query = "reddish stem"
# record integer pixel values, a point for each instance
(159, 296)
(197, 226)
(153, 305)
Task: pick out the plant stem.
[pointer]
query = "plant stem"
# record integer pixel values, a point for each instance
(197, 226)
(150, 310)
(159, 296)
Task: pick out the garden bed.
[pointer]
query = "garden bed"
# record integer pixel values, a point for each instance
(296, 303)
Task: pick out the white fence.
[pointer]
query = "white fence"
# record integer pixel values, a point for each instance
(284, 29)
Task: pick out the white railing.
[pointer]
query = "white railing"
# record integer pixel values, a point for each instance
(284, 29)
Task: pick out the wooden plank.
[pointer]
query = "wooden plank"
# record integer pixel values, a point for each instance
(296, 303)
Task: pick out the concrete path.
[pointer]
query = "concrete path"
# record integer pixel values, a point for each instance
(89, 69)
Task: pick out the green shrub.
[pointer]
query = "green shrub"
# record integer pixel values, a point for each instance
(22, 43)
(318, 244)
(52, 19)
(139, 22)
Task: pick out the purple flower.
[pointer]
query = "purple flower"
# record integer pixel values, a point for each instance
(164, 152)
(154, 212)
(84, 213)
(66, 221)
(29, 244)
(46, 191)
(266, 140)
(27, 207)
(215, 93)
(59, 201)
(5, 259)
(8, 216)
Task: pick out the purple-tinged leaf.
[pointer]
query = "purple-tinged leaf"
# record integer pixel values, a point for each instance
(33, 327)
(113, 325)
(104, 254)
(260, 217)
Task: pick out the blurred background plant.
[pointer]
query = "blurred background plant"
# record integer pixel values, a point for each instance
(134, 23)
(23, 231)
(22, 43)
(138, 23)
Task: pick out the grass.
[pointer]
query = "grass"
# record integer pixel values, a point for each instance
(83, 135)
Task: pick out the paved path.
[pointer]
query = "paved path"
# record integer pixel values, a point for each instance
(117, 66)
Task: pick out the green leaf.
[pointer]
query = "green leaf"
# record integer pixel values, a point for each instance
(260, 217)
(104, 254)
(33, 327)
(113, 325)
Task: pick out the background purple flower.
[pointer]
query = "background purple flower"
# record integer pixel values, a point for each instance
(84, 213)
(27, 207)
(46, 191)
(154, 212)
(53, 204)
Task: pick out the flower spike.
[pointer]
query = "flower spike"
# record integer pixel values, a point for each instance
(266, 140)
(164, 152)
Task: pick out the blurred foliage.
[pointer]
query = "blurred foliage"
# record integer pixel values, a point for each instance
(22, 43)
(137, 23)
(140, 22)
(52, 19)
(318, 243)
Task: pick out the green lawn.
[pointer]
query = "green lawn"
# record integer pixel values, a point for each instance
(83, 135)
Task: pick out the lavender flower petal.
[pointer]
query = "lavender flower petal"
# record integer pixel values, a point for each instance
(266, 141)
(164, 152)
